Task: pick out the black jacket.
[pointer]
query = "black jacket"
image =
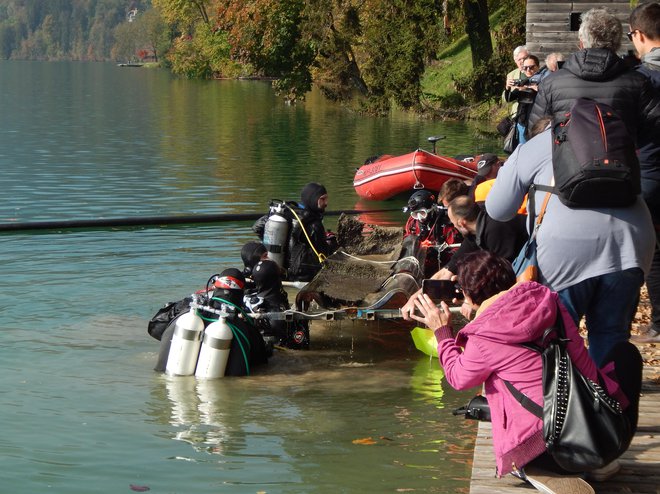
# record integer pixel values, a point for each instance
(599, 74)
(502, 238)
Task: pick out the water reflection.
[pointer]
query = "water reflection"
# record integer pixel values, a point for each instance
(426, 381)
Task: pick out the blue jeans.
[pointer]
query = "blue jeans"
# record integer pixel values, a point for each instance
(521, 133)
(608, 302)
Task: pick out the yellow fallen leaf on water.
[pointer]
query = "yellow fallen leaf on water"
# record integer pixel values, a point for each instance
(365, 440)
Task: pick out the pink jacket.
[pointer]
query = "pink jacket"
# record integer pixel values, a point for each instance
(488, 350)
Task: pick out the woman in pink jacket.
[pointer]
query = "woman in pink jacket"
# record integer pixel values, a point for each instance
(489, 350)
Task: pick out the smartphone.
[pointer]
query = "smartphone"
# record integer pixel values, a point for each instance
(442, 290)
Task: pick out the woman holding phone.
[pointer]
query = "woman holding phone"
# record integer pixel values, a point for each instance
(488, 350)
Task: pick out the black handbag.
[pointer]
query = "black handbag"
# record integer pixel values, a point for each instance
(511, 139)
(504, 126)
(476, 409)
(583, 427)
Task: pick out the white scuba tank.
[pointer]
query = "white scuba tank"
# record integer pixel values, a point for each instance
(214, 353)
(186, 341)
(276, 234)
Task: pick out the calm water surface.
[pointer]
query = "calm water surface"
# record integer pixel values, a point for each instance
(82, 410)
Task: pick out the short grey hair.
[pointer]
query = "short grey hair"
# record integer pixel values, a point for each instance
(519, 49)
(600, 29)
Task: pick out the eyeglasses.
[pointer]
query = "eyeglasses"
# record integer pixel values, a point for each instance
(630, 34)
(528, 67)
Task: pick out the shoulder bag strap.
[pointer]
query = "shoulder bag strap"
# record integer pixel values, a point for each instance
(527, 404)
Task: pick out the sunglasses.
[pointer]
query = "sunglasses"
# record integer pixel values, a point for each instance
(630, 34)
(528, 67)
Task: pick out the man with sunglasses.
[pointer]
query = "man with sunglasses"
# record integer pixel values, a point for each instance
(645, 35)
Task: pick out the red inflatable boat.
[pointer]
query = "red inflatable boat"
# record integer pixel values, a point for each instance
(389, 176)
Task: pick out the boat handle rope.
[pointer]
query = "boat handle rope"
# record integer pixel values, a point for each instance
(418, 183)
(321, 257)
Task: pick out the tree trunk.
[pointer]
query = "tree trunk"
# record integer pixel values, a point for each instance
(477, 27)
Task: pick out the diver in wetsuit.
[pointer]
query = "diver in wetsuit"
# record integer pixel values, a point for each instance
(271, 297)
(306, 253)
(251, 254)
(306, 242)
(248, 348)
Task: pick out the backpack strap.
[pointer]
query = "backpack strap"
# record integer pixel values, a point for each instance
(533, 227)
(547, 188)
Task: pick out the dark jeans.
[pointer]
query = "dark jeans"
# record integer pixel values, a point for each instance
(651, 193)
(608, 302)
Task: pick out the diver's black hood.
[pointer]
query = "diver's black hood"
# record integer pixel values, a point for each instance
(251, 253)
(309, 196)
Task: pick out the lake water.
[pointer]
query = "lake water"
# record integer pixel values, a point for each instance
(82, 410)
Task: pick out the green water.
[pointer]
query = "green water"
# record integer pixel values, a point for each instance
(82, 410)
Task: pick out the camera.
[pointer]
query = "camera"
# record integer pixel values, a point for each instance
(536, 78)
(520, 82)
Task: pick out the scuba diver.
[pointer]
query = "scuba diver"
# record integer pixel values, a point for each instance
(423, 217)
(294, 233)
(223, 292)
(428, 226)
(251, 254)
(248, 348)
(269, 296)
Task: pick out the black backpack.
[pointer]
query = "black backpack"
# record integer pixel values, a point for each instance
(593, 158)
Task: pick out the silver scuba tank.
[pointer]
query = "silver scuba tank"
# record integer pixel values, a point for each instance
(276, 234)
(185, 344)
(214, 353)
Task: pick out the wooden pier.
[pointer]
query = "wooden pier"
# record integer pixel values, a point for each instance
(640, 465)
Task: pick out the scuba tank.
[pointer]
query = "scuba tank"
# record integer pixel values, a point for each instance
(276, 233)
(214, 353)
(185, 344)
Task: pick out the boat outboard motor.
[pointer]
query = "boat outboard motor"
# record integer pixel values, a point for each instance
(186, 341)
(276, 234)
(214, 353)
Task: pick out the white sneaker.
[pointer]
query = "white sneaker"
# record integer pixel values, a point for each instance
(650, 335)
(605, 473)
(555, 483)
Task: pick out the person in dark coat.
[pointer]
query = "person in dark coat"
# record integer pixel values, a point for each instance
(597, 72)
(645, 35)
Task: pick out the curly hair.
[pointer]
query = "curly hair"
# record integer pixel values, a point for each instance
(482, 274)
(600, 29)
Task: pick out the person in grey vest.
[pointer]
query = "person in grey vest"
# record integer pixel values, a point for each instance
(595, 258)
